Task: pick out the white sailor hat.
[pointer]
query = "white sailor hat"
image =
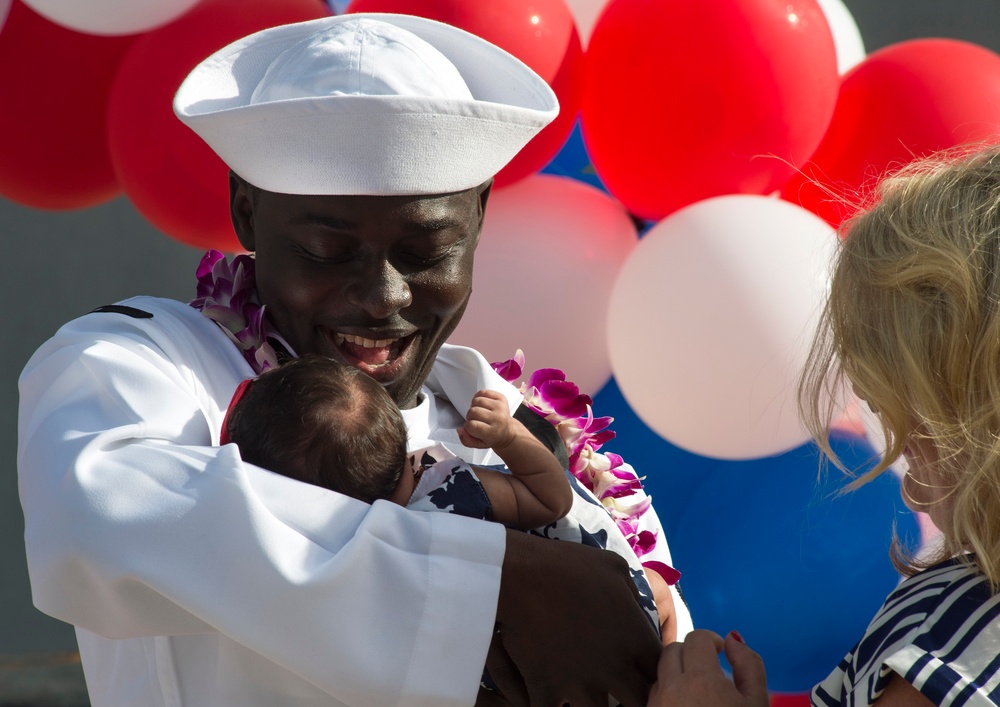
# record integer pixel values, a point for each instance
(373, 104)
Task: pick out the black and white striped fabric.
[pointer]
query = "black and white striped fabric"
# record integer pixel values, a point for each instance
(939, 630)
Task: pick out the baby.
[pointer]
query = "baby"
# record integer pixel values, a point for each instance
(328, 424)
(316, 420)
(319, 421)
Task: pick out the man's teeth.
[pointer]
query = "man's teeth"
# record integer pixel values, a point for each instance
(362, 341)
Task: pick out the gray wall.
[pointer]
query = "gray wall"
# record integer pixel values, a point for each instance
(58, 265)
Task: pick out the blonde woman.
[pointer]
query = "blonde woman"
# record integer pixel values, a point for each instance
(913, 323)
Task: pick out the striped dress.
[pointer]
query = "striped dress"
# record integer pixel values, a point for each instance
(939, 630)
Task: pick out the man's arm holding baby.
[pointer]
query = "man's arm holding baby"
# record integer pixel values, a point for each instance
(536, 492)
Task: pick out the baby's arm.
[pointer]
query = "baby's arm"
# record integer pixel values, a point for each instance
(664, 605)
(536, 492)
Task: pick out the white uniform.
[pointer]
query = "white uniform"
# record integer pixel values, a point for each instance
(195, 579)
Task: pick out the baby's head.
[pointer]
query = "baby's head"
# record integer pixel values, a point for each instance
(320, 421)
(913, 322)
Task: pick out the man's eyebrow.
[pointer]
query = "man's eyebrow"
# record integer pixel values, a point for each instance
(334, 222)
(342, 224)
(433, 225)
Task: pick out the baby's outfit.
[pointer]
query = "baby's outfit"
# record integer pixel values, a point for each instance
(448, 484)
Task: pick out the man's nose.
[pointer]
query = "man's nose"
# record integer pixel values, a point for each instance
(380, 290)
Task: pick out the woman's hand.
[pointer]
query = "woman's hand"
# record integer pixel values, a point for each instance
(689, 674)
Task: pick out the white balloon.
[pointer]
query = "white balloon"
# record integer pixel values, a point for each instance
(585, 13)
(846, 35)
(111, 17)
(548, 257)
(4, 9)
(711, 319)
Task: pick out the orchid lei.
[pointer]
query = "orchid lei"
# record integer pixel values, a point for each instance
(559, 401)
(227, 294)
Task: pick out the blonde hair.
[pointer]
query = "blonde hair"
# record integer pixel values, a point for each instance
(913, 322)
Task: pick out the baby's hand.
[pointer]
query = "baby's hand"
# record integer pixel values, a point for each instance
(488, 422)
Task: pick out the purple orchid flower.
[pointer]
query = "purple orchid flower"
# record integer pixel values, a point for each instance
(227, 294)
(205, 267)
(559, 401)
(551, 390)
(511, 369)
(644, 542)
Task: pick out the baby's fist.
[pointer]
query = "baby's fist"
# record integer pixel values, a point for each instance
(488, 422)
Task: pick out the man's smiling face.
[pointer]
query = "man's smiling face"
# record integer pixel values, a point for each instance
(378, 282)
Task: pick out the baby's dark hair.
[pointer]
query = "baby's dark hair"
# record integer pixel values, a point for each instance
(320, 421)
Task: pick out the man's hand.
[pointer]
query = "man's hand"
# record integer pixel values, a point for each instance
(488, 422)
(690, 675)
(570, 628)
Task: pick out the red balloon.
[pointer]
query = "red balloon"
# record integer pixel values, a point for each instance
(53, 146)
(567, 84)
(541, 33)
(686, 100)
(904, 101)
(172, 177)
(535, 31)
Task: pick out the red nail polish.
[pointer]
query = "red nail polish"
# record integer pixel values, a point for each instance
(737, 636)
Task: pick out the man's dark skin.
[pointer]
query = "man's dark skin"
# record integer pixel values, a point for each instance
(337, 273)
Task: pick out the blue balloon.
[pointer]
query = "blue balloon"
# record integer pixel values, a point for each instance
(671, 473)
(573, 161)
(769, 547)
(338, 7)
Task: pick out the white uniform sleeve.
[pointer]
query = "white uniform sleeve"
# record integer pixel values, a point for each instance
(135, 526)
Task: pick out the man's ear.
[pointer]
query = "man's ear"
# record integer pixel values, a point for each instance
(485, 189)
(241, 206)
